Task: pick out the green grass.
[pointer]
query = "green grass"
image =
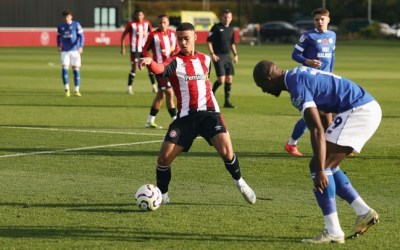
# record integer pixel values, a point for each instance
(69, 167)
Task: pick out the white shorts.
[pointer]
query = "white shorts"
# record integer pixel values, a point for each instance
(354, 127)
(72, 58)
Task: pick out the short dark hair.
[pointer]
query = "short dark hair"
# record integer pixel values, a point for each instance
(137, 11)
(66, 13)
(226, 11)
(320, 11)
(162, 16)
(184, 27)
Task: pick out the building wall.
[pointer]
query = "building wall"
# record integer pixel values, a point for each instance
(47, 13)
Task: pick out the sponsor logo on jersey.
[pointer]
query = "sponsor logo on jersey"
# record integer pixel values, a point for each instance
(195, 77)
(297, 102)
(324, 55)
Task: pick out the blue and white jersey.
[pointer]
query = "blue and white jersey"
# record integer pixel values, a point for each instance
(330, 93)
(316, 45)
(70, 36)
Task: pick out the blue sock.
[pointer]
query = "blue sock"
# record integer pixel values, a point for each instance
(299, 129)
(344, 189)
(77, 77)
(326, 200)
(64, 75)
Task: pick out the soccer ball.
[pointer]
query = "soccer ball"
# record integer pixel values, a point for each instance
(148, 197)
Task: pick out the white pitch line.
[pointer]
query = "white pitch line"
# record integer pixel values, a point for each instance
(78, 149)
(81, 130)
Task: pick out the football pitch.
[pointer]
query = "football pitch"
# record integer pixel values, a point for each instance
(69, 167)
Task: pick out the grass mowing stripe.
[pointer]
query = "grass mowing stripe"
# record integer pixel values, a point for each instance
(83, 148)
(84, 199)
(82, 131)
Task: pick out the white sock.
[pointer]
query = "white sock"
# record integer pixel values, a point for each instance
(66, 86)
(239, 182)
(332, 225)
(360, 206)
(292, 142)
(151, 118)
(76, 88)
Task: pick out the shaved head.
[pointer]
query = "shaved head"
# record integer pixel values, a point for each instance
(261, 72)
(265, 69)
(265, 73)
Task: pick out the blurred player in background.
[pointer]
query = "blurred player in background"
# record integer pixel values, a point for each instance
(315, 49)
(138, 30)
(316, 93)
(198, 112)
(70, 42)
(220, 43)
(162, 43)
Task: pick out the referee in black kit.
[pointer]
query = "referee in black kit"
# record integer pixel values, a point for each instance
(220, 42)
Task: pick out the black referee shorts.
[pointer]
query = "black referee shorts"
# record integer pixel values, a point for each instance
(224, 66)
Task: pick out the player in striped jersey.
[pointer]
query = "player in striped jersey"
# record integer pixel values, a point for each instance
(162, 43)
(198, 112)
(316, 49)
(138, 30)
(70, 41)
(316, 93)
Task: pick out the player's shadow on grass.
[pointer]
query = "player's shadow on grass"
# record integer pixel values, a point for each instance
(110, 207)
(118, 234)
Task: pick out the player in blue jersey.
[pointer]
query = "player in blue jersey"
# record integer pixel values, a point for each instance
(315, 93)
(315, 49)
(70, 41)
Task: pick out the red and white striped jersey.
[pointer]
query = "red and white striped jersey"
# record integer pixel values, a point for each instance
(138, 33)
(162, 45)
(189, 77)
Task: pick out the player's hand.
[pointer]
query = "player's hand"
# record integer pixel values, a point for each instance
(320, 181)
(122, 51)
(142, 62)
(214, 57)
(80, 50)
(235, 59)
(313, 63)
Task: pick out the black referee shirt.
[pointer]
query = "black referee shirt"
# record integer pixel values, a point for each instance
(221, 38)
